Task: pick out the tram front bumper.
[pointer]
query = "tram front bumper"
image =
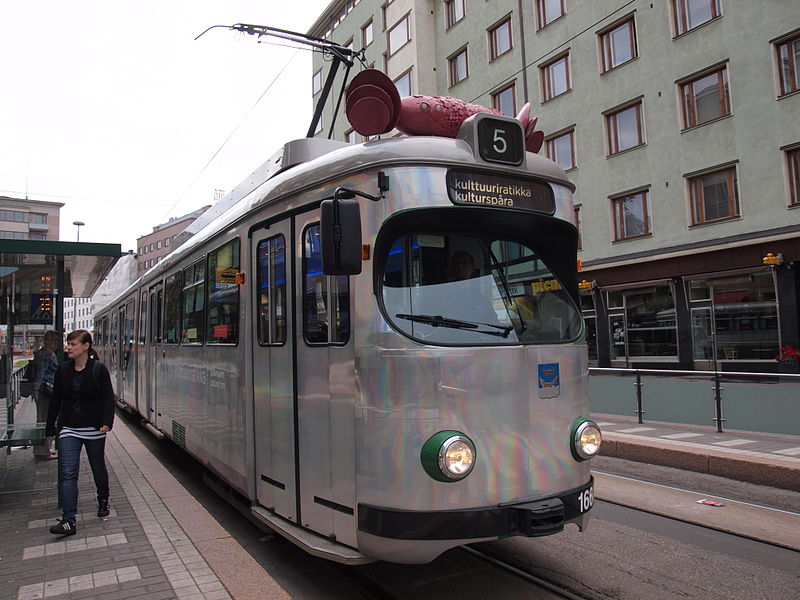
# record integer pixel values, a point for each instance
(541, 517)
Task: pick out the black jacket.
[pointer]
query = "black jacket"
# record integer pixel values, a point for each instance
(95, 407)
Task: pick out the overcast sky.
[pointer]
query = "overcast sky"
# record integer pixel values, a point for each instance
(113, 109)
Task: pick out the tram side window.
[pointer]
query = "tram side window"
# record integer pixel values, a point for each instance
(172, 308)
(129, 333)
(272, 291)
(193, 303)
(326, 299)
(143, 320)
(223, 294)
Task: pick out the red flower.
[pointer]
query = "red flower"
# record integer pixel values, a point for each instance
(787, 353)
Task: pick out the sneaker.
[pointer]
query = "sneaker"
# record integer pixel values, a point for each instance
(64, 528)
(102, 508)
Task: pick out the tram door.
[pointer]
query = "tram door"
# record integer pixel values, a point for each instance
(153, 349)
(273, 373)
(325, 389)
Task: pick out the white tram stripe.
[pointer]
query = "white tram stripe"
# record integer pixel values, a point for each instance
(731, 443)
(789, 451)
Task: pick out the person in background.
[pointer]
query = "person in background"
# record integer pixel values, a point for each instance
(46, 363)
(81, 413)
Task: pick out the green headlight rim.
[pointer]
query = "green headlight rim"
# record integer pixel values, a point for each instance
(573, 441)
(429, 455)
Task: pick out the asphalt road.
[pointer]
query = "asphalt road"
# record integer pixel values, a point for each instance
(624, 554)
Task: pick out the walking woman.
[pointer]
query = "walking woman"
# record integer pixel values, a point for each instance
(81, 413)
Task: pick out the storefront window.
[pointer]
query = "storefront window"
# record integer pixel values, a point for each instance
(745, 317)
(590, 318)
(616, 325)
(651, 327)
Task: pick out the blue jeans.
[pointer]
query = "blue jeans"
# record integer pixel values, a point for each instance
(69, 463)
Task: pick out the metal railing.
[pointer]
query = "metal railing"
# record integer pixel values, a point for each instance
(715, 376)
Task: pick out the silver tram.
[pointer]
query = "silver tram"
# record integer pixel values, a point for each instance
(378, 346)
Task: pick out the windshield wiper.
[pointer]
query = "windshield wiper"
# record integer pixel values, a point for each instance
(504, 280)
(440, 321)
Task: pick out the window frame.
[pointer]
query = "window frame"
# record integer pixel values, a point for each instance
(496, 104)
(793, 172)
(688, 97)
(549, 147)
(367, 33)
(451, 15)
(492, 34)
(271, 339)
(697, 200)
(331, 283)
(612, 132)
(402, 75)
(452, 65)
(617, 210)
(793, 85)
(680, 21)
(404, 19)
(605, 44)
(546, 77)
(173, 297)
(541, 14)
(211, 278)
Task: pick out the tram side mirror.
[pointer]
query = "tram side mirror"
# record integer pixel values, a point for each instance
(340, 237)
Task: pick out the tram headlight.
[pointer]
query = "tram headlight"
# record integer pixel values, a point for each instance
(586, 439)
(448, 456)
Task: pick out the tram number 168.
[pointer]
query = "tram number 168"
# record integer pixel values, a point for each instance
(586, 499)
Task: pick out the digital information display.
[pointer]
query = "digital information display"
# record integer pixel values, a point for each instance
(473, 188)
(501, 141)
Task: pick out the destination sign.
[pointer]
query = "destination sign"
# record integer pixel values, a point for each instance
(470, 188)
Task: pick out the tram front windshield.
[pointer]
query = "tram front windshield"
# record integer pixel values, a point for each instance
(463, 289)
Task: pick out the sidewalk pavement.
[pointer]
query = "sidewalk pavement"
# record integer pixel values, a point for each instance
(157, 543)
(760, 458)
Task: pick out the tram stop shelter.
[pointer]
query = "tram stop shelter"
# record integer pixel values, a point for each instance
(35, 277)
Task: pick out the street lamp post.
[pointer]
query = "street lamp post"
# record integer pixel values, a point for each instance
(79, 224)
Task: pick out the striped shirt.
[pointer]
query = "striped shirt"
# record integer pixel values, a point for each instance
(84, 433)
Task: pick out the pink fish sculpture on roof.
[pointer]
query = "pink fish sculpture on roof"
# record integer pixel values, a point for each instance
(373, 106)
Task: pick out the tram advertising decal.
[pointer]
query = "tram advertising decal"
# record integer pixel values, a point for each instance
(469, 188)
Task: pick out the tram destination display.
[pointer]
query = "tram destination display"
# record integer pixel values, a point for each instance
(473, 188)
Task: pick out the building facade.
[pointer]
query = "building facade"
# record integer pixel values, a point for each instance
(683, 145)
(156, 245)
(23, 219)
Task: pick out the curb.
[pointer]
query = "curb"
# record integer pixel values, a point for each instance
(741, 465)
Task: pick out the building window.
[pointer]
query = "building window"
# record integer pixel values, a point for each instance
(714, 196)
(788, 55)
(548, 11)
(793, 162)
(560, 148)
(366, 34)
(13, 215)
(705, 98)
(689, 14)
(399, 35)
(500, 39)
(166, 242)
(618, 45)
(625, 128)
(350, 136)
(505, 101)
(403, 84)
(38, 218)
(555, 78)
(459, 69)
(454, 10)
(316, 82)
(631, 218)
